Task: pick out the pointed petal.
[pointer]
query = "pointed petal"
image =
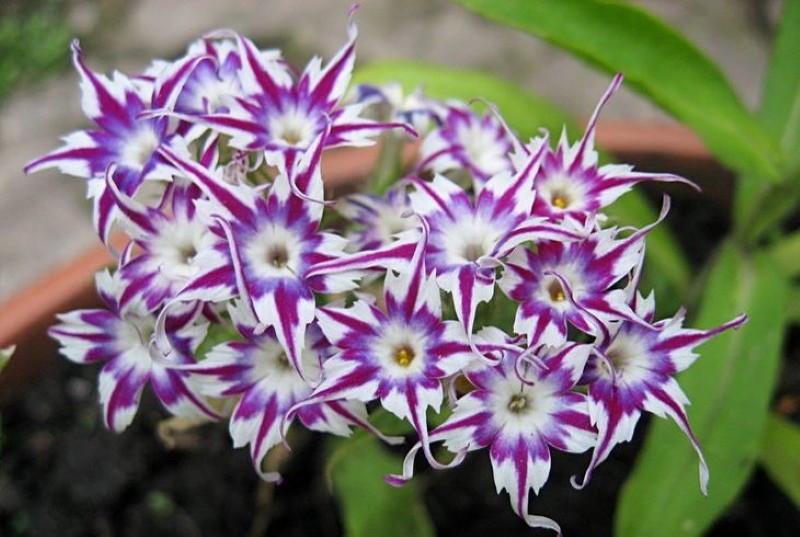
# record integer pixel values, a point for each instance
(669, 400)
(121, 382)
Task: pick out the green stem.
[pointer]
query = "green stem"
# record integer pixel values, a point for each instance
(775, 204)
(389, 166)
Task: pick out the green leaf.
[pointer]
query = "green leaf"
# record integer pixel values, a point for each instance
(730, 387)
(526, 113)
(780, 114)
(370, 506)
(217, 333)
(786, 253)
(780, 107)
(760, 209)
(657, 62)
(794, 305)
(780, 455)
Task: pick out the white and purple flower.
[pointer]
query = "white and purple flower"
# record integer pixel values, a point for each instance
(573, 283)
(469, 239)
(121, 138)
(399, 355)
(467, 141)
(258, 371)
(234, 235)
(633, 372)
(120, 336)
(519, 422)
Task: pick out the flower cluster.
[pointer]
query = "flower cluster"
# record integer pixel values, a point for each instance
(211, 164)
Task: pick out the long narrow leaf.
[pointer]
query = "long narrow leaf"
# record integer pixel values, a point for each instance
(730, 388)
(657, 62)
(780, 107)
(786, 253)
(369, 506)
(780, 111)
(780, 456)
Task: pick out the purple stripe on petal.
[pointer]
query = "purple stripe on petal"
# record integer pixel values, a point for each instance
(210, 184)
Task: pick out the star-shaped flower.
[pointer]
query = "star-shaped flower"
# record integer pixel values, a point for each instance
(634, 372)
(121, 137)
(120, 336)
(519, 422)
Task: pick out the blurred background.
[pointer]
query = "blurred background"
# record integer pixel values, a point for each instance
(45, 219)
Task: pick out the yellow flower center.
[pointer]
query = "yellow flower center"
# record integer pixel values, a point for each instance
(559, 200)
(557, 293)
(404, 355)
(517, 403)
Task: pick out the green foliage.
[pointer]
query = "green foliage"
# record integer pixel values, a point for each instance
(730, 389)
(760, 206)
(779, 456)
(786, 253)
(780, 107)
(368, 505)
(217, 333)
(33, 42)
(657, 61)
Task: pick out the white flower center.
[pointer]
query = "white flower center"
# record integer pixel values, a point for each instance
(133, 337)
(293, 128)
(390, 222)
(481, 146)
(552, 291)
(401, 351)
(216, 93)
(272, 363)
(139, 148)
(274, 251)
(520, 409)
(176, 247)
(469, 239)
(628, 353)
(562, 192)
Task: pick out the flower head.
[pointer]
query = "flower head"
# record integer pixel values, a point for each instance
(120, 336)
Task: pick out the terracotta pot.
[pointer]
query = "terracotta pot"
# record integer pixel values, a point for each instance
(25, 318)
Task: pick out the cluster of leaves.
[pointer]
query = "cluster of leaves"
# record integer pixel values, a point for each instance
(33, 41)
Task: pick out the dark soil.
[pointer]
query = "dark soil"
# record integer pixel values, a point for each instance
(62, 473)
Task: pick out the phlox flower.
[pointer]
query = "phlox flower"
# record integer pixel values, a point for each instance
(465, 140)
(398, 355)
(574, 283)
(283, 117)
(120, 336)
(572, 184)
(166, 241)
(469, 239)
(378, 218)
(121, 137)
(258, 371)
(633, 371)
(270, 252)
(519, 422)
